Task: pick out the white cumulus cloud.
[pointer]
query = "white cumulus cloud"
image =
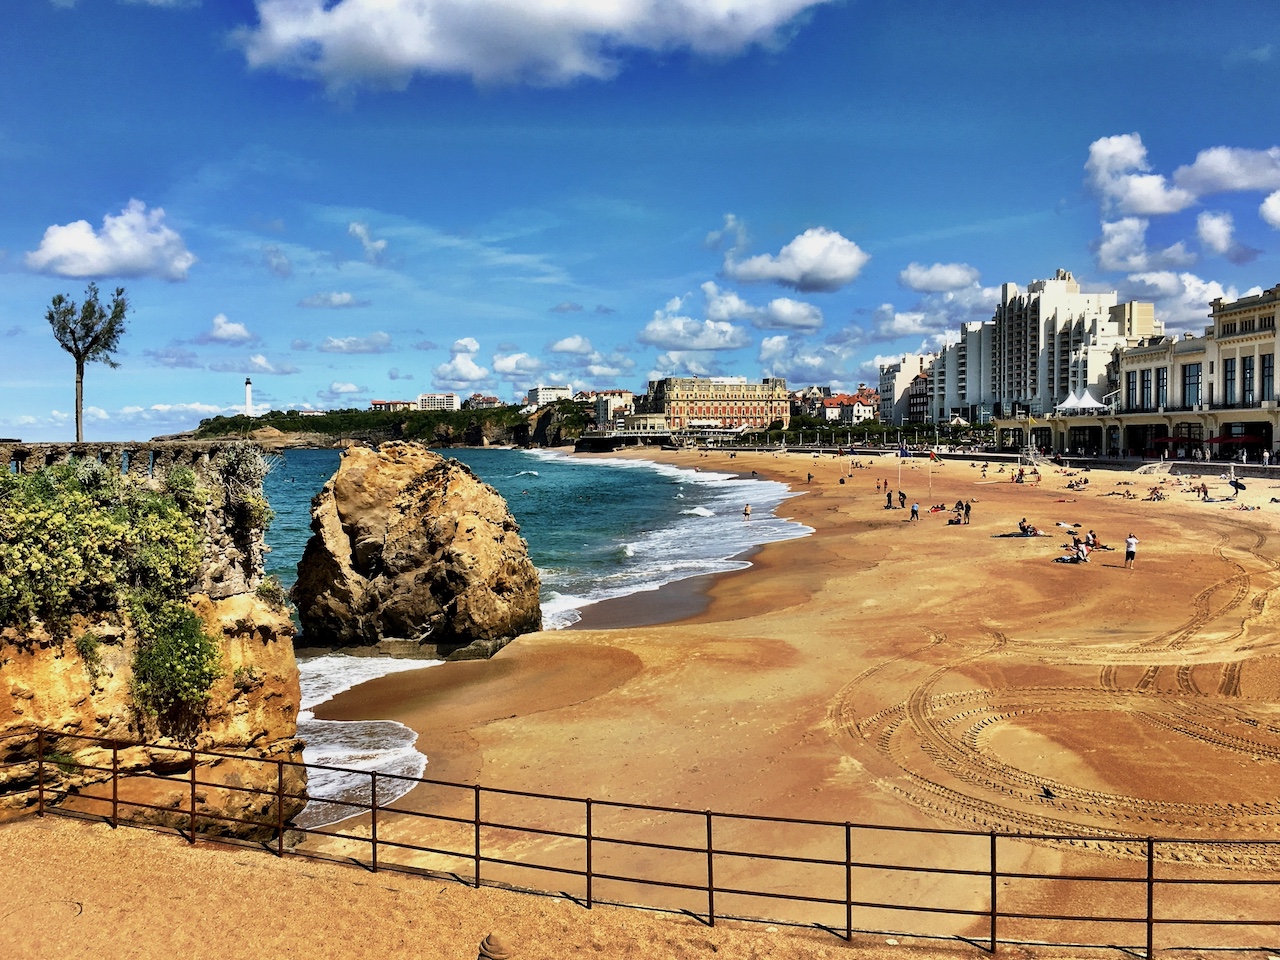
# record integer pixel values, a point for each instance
(1224, 169)
(1123, 246)
(782, 313)
(1181, 299)
(1270, 210)
(385, 43)
(461, 372)
(1117, 169)
(938, 277)
(223, 330)
(573, 344)
(136, 243)
(1216, 231)
(670, 330)
(819, 260)
(516, 364)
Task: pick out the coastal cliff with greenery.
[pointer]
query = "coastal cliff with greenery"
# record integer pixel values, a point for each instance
(135, 609)
(552, 425)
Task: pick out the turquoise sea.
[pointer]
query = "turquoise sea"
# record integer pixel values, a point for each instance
(597, 528)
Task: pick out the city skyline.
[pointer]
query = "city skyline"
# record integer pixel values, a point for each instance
(357, 200)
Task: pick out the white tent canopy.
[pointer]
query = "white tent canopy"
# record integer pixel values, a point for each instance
(1070, 403)
(1086, 402)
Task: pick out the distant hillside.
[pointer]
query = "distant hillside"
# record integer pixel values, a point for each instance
(557, 423)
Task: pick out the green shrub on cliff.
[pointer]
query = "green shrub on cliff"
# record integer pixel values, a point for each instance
(71, 540)
(176, 663)
(76, 539)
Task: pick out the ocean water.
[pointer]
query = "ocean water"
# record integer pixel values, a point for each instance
(597, 529)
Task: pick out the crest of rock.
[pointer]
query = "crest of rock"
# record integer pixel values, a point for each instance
(413, 555)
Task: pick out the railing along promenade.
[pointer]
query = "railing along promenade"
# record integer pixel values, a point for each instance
(1126, 892)
(138, 459)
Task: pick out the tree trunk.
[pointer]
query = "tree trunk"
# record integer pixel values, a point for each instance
(79, 400)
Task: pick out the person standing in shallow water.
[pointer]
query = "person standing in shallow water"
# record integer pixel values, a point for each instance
(746, 512)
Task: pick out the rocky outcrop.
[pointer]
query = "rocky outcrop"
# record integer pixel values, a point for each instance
(78, 691)
(414, 555)
(76, 681)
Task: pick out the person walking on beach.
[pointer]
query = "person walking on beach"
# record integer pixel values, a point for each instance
(966, 511)
(888, 499)
(1130, 550)
(902, 500)
(915, 512)
(746, 512)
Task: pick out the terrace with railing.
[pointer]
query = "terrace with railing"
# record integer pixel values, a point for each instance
(987, 888)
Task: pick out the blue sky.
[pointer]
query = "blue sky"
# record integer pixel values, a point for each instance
(358, 199)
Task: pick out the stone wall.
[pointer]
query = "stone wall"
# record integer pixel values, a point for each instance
(234, 557)
(151, 460)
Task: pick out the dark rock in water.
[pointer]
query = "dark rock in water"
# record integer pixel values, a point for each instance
(413, 555)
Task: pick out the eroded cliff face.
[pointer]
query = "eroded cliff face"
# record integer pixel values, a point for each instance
(77, 683)
(413, 555)
(252, 711)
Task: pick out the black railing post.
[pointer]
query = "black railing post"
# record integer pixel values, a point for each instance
(40, 773)
(192, 838)
(711, 877)
(588, 853)
(1151, 897)
(848, 882)
(279, 807)
(994, 910)
(373, 818)
(477, 819)
(115, 784)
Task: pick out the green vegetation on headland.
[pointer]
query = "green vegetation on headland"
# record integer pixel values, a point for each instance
(426, 426)
(79, 541)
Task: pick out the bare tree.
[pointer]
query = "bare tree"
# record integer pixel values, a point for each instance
(89, 333)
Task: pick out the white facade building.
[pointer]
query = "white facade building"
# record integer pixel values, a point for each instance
(439, 401)
(541, 396)
(895, 380)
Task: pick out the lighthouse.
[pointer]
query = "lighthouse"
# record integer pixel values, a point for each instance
(248, 397)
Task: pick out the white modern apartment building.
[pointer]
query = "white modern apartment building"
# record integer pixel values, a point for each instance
(1043, 347)
(439, 401)
(895, 381)
(1192, 396)
(960, 384)
(540, 396)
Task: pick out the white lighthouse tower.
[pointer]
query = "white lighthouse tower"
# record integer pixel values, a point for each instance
(248, 397)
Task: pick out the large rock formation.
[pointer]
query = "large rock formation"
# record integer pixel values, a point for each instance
(412, 554)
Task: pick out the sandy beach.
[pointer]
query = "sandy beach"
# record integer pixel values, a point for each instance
(880, 671)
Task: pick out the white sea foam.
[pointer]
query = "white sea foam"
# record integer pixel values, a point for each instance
(706, 539)
(363, 745)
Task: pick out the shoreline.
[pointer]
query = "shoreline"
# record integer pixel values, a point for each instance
(765, 655)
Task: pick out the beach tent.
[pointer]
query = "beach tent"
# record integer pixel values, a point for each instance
(1070, 403)
(1086, 402)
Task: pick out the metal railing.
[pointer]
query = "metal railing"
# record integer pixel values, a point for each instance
(697, 861)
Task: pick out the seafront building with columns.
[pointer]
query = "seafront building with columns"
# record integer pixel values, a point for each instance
(1200, 397)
